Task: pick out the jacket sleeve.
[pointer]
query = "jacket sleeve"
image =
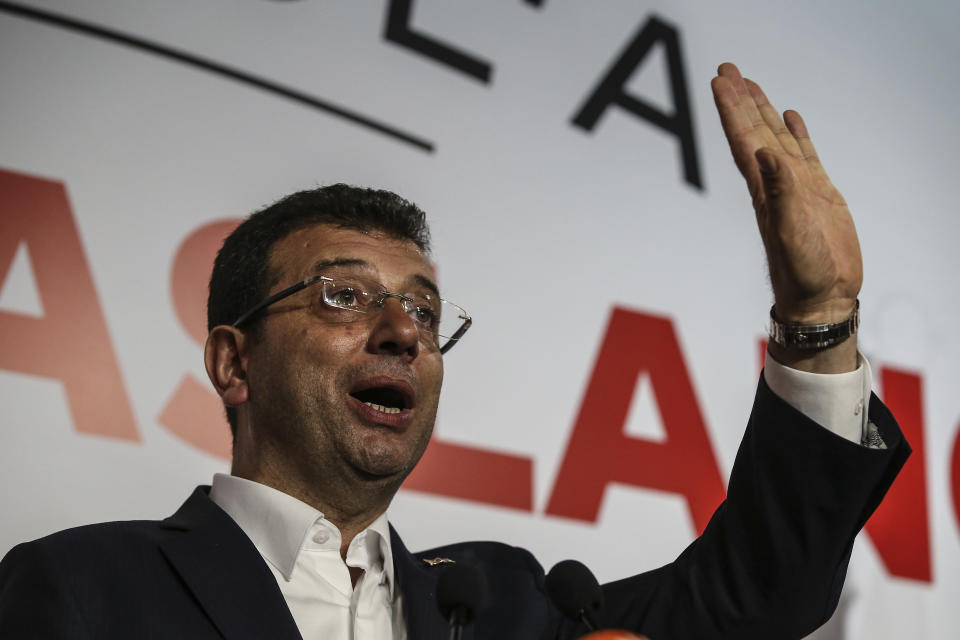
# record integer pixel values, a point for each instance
(772, 560)
(34, 602)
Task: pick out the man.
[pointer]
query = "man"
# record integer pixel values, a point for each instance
(326, 345)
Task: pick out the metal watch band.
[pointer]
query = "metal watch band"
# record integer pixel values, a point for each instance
(813, 336)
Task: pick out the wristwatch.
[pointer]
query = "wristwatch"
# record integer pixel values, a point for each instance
(813, 336)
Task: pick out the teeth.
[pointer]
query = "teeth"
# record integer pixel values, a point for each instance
(381, 408)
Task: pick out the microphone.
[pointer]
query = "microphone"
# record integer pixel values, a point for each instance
(576, 592)
(461, 591)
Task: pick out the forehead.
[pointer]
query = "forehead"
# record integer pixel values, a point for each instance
(392, 260)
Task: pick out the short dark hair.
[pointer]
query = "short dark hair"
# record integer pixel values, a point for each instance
(241, 274)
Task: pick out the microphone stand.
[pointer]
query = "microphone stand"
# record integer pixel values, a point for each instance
(587, 622)
(457, 618)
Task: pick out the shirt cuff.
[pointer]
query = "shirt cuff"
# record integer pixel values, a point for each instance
(836, 401)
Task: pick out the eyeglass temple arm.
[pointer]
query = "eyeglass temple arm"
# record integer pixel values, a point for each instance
(289, 291)
(452, 340)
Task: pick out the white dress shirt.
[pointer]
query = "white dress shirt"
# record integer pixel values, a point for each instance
(837, 401)
(302, 548)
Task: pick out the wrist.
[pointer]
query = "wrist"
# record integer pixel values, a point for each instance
(819, 343)
(825, 312)
(808, 337)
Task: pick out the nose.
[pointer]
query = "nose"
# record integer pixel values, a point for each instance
(394, 331)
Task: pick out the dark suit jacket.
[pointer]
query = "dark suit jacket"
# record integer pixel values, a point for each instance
(770, 564)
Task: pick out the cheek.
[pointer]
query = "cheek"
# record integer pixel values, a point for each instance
(333, 343)
(310, 353)
(322, 358)
(433, 373)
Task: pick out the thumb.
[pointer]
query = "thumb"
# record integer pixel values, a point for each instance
(775, 175)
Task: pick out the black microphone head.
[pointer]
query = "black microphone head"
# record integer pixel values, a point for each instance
(461, 591)
(575, 591)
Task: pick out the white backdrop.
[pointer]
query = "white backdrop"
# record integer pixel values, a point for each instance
(541, 229)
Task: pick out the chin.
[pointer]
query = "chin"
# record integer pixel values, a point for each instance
(385, 467)
(386, 475)
(386, 459)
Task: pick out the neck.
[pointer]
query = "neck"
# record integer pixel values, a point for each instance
(351, 504)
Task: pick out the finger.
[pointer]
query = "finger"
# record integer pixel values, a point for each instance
(736, 124)
(737, 128)
(730, 71)
(799, 130)
(773, 120)
(747, 104)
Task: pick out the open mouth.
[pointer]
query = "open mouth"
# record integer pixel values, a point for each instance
(390, 397)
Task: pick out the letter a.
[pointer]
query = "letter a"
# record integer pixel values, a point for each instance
(610, 90)
(70, 342)
(600, 453)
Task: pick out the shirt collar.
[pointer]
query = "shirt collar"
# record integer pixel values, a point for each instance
(278, 524)
(382, 528)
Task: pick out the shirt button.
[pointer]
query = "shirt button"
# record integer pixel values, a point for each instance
(858, 408)
(321, 536)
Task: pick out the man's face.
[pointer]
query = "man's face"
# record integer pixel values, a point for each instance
(320, 390)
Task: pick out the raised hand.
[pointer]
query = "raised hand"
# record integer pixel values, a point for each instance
(811, 243)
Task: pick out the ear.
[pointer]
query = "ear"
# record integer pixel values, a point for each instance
(225, 358)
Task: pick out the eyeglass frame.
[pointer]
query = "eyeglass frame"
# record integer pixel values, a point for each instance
(382, 293)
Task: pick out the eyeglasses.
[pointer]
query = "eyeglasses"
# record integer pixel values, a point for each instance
(439, 321)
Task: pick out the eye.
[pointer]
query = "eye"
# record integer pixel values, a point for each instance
(343, 296)
(425, 315)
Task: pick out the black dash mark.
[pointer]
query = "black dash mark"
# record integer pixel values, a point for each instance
(216, 68)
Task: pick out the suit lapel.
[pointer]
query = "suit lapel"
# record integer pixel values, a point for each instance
(418, 582)
(225, 572)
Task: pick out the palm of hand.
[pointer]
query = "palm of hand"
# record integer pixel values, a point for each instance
(810, 239)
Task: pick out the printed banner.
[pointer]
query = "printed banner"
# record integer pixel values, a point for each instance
(584, 210)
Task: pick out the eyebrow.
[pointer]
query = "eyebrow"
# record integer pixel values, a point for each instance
(423, 281)
(322, 265)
